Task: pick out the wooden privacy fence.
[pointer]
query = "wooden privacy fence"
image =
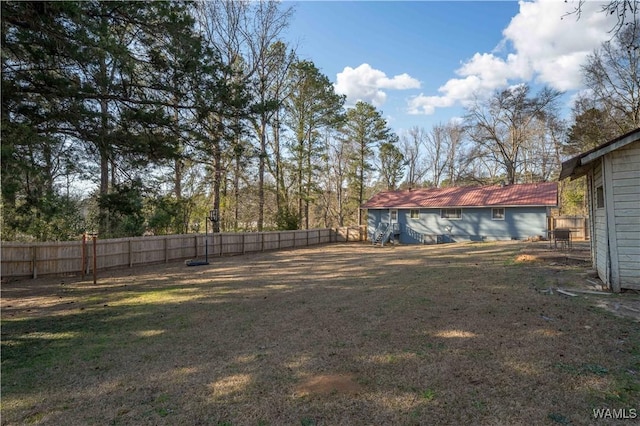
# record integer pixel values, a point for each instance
(67, 258)
(579, 226)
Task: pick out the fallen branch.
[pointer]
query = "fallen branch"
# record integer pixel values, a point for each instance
(600, 293)
(630, 308)
(566, 293)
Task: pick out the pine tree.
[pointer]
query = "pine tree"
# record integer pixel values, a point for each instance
(366, 129)
(311, 106)
(86, 75)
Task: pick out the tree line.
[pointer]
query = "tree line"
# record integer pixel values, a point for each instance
(168, 110)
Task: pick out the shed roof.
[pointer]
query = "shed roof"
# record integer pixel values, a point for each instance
(578, 165)
(531, 194)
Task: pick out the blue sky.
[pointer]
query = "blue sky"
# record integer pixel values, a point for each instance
(420, 61)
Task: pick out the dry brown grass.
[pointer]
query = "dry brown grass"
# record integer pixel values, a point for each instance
(340, 334)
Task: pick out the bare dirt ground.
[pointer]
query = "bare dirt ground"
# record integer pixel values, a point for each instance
(338, 334)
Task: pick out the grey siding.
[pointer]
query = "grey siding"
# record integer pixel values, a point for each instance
(476, 224)
(626, 200)
(600, 236)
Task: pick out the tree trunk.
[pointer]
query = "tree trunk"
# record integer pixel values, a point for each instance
(261, 164)
(236, 193)
(361, 186)
(217, 175)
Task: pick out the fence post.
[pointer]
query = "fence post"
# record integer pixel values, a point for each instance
(94, 237)
(166, 249)
(279, 235)
(585, 228)
(244, 249)
(34, 260)
(130, 253)
(84, 253)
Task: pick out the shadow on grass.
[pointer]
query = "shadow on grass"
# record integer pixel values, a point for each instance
(445, 335)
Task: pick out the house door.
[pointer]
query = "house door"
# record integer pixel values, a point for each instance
(393, 216)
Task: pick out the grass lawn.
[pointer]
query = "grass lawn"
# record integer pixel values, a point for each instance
(339, 334)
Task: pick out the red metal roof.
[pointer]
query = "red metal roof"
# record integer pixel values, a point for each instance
(530, 194)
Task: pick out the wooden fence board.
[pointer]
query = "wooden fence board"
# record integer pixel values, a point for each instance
(63, 258)
(578, 225)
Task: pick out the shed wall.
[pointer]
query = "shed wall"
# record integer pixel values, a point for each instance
(626, 199)
(600, 245)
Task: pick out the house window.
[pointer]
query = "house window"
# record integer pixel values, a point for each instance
(394, 216)
(599, 197)
(415, 213)
(451, 213)
(497, 214)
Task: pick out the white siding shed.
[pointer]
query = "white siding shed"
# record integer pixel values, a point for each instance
(613, 182)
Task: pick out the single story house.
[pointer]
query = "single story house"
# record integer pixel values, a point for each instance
(433, 215)
(613, 192)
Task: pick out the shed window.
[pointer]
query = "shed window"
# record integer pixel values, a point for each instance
(599, 197)
(497, 214)
(451, 213)
(415, 213)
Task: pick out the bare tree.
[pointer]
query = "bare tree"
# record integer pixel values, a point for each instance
(437, 149)
(412, 148)
(541, 156)
(336, 204)
(456, 161)
(502, 125)
(244, 35)
(443, 146)
(612, 74)
(625, 11)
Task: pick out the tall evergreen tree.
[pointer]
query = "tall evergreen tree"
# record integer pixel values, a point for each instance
(86, 73)
(311, 106)
(391, 165)
(366, 129)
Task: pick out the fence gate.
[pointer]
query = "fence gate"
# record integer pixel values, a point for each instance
(579, 226)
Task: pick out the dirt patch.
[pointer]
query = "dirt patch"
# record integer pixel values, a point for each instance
(329, 384)
(622, 308)
(578, 254)
(571, 269)
(527, 258)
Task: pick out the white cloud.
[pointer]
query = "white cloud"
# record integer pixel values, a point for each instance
(365, 83)
(549, 47)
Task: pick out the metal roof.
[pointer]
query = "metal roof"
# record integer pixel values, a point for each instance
(578, 165)
(531, 194)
